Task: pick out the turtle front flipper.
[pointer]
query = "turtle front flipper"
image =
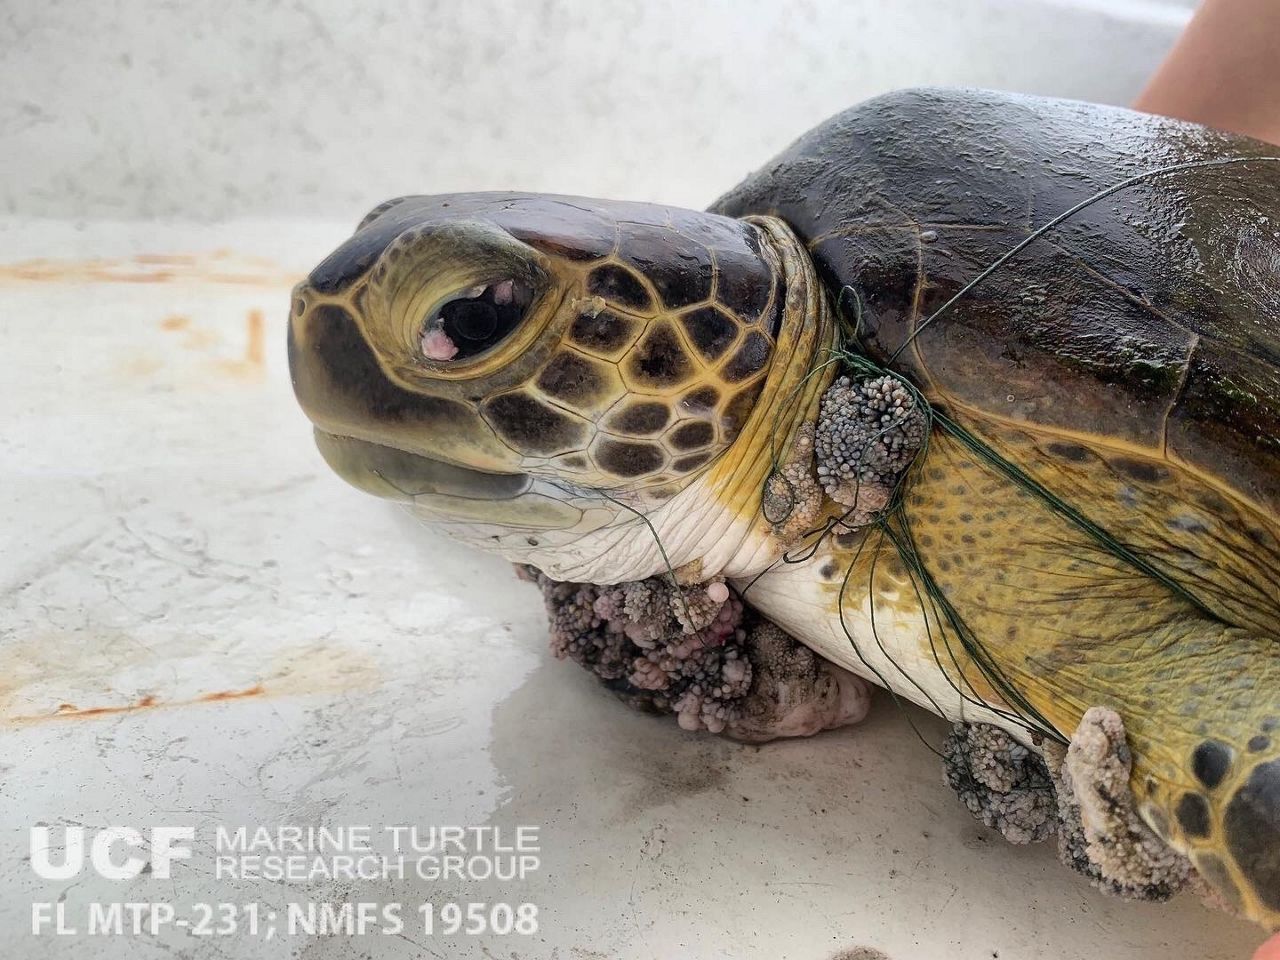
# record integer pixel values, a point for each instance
(1205, 748)
(696, 651)
(1166, 617)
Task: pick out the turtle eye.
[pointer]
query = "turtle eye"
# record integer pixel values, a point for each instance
(474, 321)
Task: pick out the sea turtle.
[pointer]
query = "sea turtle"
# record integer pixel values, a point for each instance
(1087, 548)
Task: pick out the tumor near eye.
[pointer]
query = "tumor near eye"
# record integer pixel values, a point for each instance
(474, 321)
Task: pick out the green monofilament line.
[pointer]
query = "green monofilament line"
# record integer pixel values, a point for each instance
(862, 368)
(1064, 216)
(1114, 546)
(653, 531)
(1026, 713)
(895, 527)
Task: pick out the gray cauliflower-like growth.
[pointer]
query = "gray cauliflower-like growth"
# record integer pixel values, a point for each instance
(792, 499)
(1101, 834)
(659, 647)
(698, 653)
(868, 433)
(1081, 793)
(1000, 781)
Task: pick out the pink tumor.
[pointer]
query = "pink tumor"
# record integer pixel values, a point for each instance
(437, 345)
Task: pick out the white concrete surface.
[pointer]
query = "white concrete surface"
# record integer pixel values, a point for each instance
(200, 627)
(323, 107)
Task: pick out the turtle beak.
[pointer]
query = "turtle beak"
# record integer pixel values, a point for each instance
(399, 475)
(444, 492)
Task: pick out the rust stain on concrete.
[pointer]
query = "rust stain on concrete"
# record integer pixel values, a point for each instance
(69, 711)
(50, 678)
(254, 352)
(218, 267)
(252, 364)
(255, 691)
(249, 364)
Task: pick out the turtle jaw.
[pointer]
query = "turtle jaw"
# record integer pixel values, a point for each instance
(394, 474)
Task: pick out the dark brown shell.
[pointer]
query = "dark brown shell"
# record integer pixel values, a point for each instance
(1151, 317)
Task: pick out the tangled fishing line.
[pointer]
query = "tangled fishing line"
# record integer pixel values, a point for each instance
(872, 434)
(694, 653)
(874, 497)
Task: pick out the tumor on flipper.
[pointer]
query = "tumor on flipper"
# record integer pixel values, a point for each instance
(1001, 782)
(697, 652)
(1081, 793)
(1100, 832)
(868, 433)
